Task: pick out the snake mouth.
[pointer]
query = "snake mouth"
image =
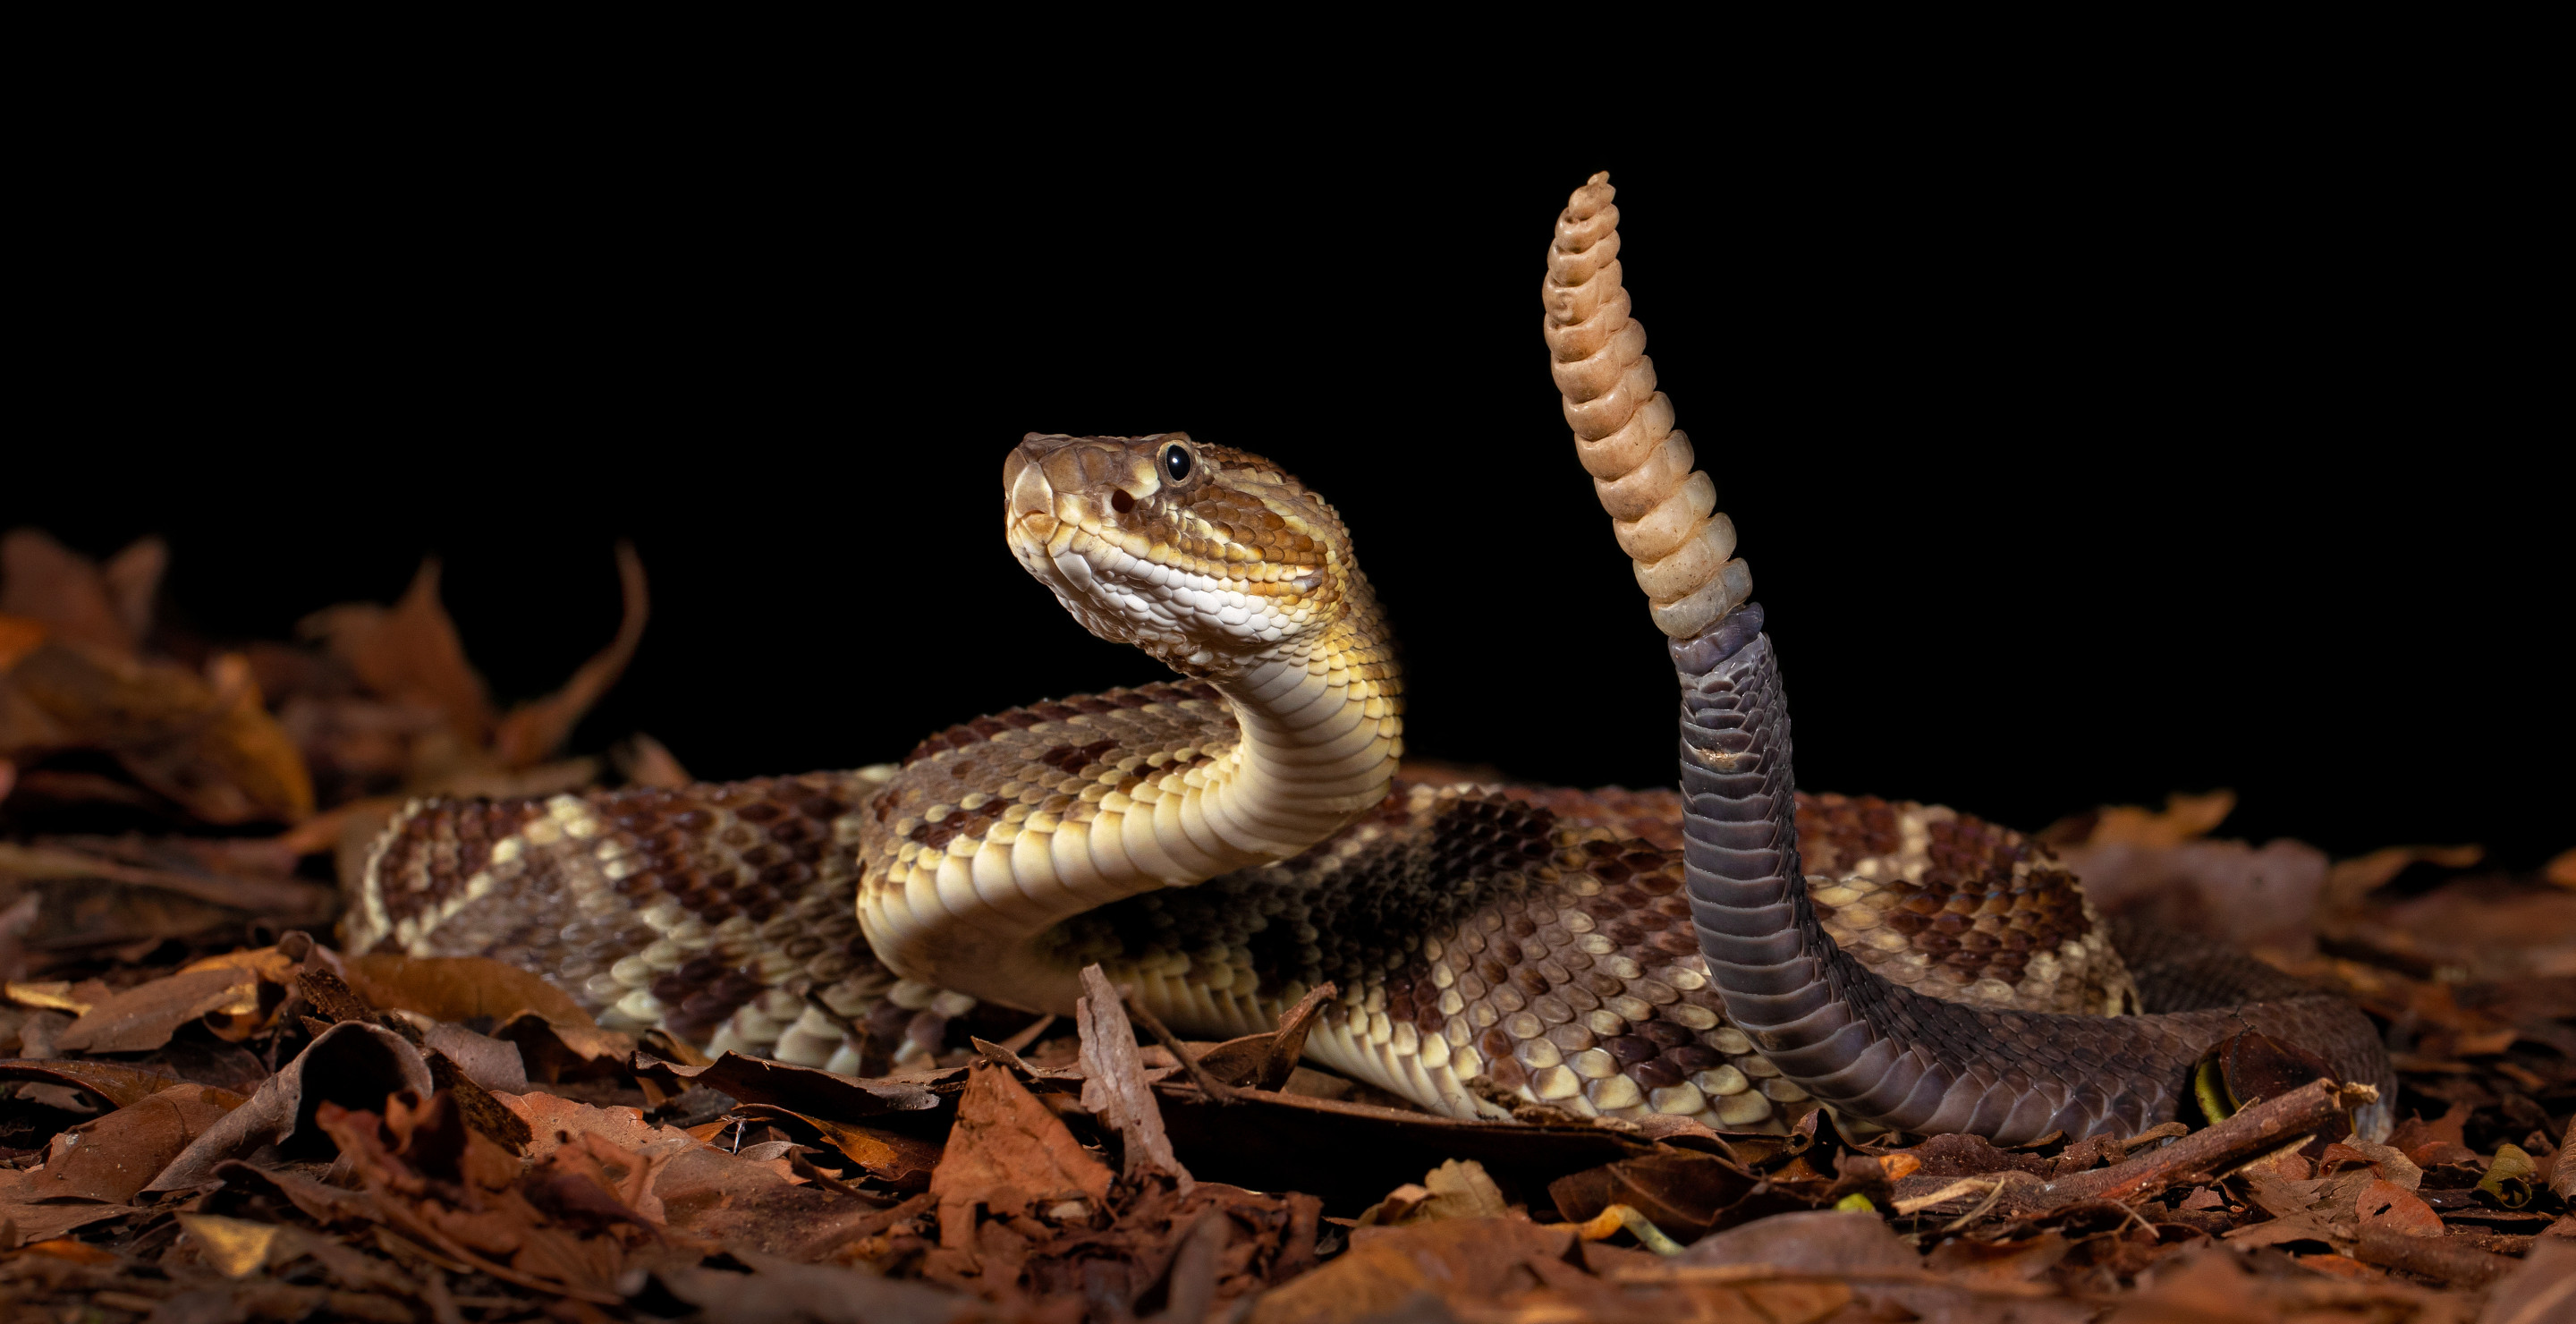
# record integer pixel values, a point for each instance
(1028, 499)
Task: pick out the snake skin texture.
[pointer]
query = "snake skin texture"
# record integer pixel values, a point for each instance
(1522, 934)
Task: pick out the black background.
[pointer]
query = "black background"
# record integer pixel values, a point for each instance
(2075, 463)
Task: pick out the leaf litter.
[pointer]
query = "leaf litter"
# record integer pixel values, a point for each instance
(207, 1112)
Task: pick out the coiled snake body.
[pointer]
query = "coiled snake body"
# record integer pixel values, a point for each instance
(1225, 842)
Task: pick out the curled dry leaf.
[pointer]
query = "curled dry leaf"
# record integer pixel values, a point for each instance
(902, 1161)
(807, 1090)
(350, 1064)
(1453, 1190)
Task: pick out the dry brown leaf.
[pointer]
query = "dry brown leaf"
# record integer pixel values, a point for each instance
(2389, 1205)
(2351, 880)
(212, 749)
(19, 636)
(460, 988)
(1114, 1086)
(1008, 1155)
(144, 1016)
(410, 653)
(112, 1158)
(45, 581)
(351, 1062)
(808, 1090)
(1460, 1260)
(1455, 1189)
(899, 1160)
(1681, 1192)
(2184, 818)
(120, 1085)
(446, 1186)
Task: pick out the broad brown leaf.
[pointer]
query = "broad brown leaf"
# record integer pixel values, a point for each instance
(145, 1016)
(460, 988)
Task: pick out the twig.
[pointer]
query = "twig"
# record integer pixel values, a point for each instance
(1208, 1085)
(2259, 1129)
(2433, 1257)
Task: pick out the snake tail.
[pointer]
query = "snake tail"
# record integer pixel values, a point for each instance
(1873, 1048)
(1888, 1055)
(1663, 512)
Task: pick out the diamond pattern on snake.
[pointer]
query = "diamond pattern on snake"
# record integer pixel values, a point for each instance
(1222, 843)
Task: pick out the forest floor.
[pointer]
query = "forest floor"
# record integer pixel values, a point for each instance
(209, 1113)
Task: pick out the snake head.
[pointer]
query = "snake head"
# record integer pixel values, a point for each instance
(1205, 557)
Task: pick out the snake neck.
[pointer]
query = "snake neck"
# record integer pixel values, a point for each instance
(1308, 740)
(1875, 1049)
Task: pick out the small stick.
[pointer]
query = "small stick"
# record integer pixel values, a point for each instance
(1208, 1085)
(2259, 1129)
(2433, 1257)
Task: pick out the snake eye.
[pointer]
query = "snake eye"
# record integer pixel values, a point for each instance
(1177, 462)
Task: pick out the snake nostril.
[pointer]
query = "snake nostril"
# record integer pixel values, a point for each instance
(1121, 502)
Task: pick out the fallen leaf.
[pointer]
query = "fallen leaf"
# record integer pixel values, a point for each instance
(2351, 880)
(459, 988)
(491, 1063)
(43, 581)
(351, 1063)
(807, 1090)
(409, 653)
(2542, 1290)
(1682, 1193)
(1114, 1086)
(1455, 1189)
(144, 1016)
(2386, 1204)
(213, 750)
(1459, 1260)
(899, 1160)
(1007, 1155)
(783, 1292)
(19, 636)
(556, 1053)
(119, 1085)
(113, 1158)
(444, 1185)
(1822, 1241)
(235, 1247)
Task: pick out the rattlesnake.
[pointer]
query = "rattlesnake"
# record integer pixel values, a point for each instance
(1225, 842)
